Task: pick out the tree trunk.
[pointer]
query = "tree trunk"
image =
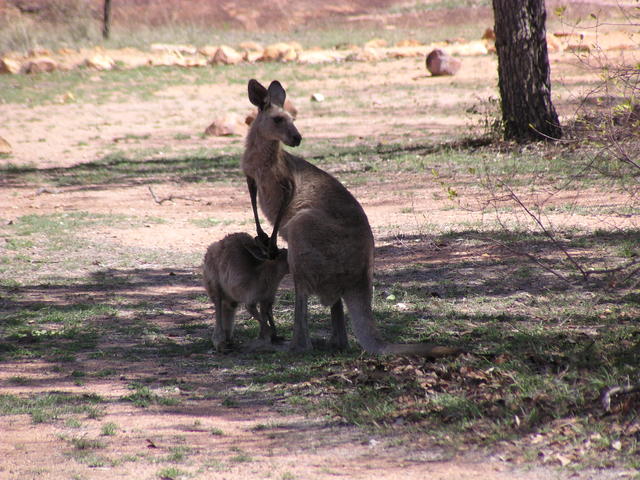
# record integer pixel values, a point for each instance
(523, 71)
(106, 19)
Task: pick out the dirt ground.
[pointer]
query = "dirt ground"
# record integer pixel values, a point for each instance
(290, 446)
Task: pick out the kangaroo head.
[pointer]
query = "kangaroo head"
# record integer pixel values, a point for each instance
(273, 121)
(282, 265)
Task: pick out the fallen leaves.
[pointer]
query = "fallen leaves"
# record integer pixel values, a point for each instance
(490, 402)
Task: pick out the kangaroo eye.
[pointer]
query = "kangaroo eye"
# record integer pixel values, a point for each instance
(277, 119)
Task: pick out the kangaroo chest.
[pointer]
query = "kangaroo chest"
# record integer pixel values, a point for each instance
(270, 194)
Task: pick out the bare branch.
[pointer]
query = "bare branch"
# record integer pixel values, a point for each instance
(170, 198)
(546, 231)
(608, 392)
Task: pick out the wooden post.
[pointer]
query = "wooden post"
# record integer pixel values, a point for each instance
(106, 19)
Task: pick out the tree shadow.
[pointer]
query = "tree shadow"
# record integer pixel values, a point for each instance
(151, 326)
(475, 263)
(120, 169)
(123, 169)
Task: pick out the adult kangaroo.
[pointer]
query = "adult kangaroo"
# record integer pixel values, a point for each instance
(330, 243)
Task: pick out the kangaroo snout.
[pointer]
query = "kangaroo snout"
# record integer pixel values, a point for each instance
(294, 140)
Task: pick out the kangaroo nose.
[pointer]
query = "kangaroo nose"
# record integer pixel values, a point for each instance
(296, 139)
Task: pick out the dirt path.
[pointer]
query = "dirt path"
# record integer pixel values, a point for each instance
(219, 442)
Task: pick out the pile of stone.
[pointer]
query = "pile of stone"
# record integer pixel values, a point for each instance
(188, 56)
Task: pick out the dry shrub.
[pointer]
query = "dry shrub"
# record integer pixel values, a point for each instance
(599, 154)
(27, 25)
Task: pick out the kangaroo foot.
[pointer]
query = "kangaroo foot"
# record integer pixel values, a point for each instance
(300, 346)
(339, 344)
(261, 345)
(224, 347)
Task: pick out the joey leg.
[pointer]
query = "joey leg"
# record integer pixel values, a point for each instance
(265, 330)
(266, 310)
(301, 341)
(222, 337)
(339, 339)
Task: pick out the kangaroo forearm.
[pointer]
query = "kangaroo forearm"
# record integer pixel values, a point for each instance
(253, 194)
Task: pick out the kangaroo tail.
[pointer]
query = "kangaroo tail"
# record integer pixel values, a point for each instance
(364, 328)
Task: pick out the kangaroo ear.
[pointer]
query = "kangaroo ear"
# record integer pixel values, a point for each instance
(257, 94)
(277, 94)
(256, 252)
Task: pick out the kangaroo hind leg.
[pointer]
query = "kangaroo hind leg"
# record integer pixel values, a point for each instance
(225, 317)
(301, 341)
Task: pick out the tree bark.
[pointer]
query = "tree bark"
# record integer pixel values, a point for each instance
(106, 19)
(523, 71)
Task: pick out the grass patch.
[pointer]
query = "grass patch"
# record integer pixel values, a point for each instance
(179, 454)
(173, 473)
(240, 456)
(51, 332)
(84, 443)
(53, 406)
(143, 397)
(109, 429)
(209, 222)
(144, 166)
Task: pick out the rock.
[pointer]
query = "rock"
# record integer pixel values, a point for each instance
(165, 60)
(346, 46)
(226, 55)
(553, 44)
(280, 52)
(409, 43)
(252, 56)
(251, 51)
(296, 46)
(468, 49)
(171, 48)
(404, 52)
(318, 57)
(40, 65)
(193, 62)
(39, 52)
(229, 124)
(208, 50)
(376, 43)
(578, 47)
(251, 116)
(251, 46)
(9, 66)
(364, 55)
(440, 63)
(5, 147)
(66, 97)
(99, 62)
(317, 97)
(489, 34)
